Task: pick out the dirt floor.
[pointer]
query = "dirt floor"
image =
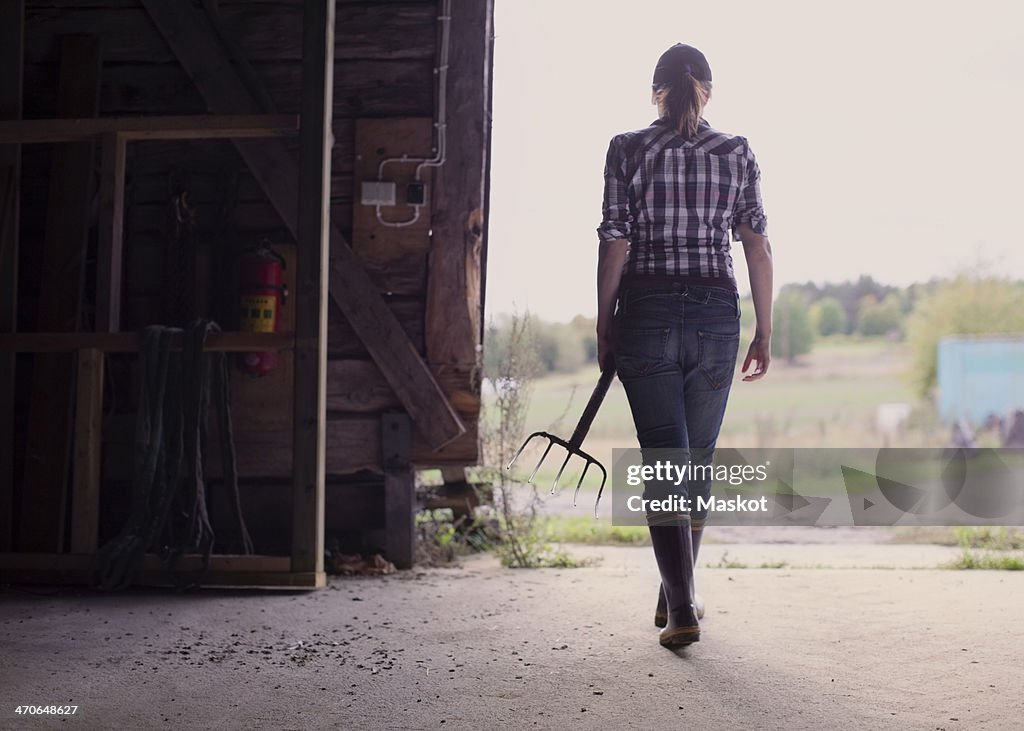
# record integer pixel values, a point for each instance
(483, 647)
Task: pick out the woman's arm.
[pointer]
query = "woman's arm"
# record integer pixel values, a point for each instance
(758, 252)
(614, 234)
(611, 257)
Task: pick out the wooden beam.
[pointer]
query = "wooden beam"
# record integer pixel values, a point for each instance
(399, 489)
(128, 342)
(356, 386)
(199, 51)
(313, 246)
(85, 494)
(241, 578)
(110, 249)
(12, 25)
(269, 33)
(371, 87)
(454, 302)
(453, 475)
(224, 570)
(48, 436)
(189, 127)
(353, 444)
(366, 29)
(150, 562)
(399, 362)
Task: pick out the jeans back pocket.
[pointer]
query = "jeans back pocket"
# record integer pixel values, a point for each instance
(639, 350)
(717, 357)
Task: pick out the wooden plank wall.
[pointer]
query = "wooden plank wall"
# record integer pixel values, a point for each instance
(384, 68)
(384, 61)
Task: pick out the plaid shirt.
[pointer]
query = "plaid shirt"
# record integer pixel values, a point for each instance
(674, 201)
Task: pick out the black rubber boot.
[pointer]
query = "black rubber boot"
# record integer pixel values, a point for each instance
(660, 612)
(673, 551)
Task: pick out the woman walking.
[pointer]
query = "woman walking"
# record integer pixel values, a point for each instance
(673, 192)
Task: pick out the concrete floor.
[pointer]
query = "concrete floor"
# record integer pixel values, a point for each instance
(482, 647)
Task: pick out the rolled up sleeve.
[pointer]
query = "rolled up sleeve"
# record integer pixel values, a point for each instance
(617, 219)
(749, 209)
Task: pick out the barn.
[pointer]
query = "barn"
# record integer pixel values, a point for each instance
(242, 249)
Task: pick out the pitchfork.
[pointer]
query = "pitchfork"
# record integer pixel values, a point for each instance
(573, 445)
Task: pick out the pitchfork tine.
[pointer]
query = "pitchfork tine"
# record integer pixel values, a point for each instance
(554, 485)
(604, 478)
(580, 483)
(539, 461)
(520, 450)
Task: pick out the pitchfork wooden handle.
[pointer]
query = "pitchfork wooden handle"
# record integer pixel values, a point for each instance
(591, 411)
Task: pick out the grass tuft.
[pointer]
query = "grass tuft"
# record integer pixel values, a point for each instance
(998, 538)
(584, 529)
(969, 560)
(727, 563)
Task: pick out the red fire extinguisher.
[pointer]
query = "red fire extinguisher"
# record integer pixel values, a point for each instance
(261, 294)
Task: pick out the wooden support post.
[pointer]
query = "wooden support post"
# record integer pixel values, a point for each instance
(309, 426)
(110, 255)
(12, 24)
(85, 496)
(60, 294)
(197, 48)
(453, 474)
(454, 303)
(454, 313)
(399, 489)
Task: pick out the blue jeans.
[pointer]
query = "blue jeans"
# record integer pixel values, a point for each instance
(675, 348)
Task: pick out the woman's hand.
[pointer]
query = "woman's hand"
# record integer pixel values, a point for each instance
(758, 252)
(760, 352)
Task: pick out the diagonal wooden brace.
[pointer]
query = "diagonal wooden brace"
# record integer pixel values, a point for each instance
(201, 54)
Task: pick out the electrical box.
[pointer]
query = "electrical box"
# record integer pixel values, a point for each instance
(393, 246)
(415, 194)
(378, 193)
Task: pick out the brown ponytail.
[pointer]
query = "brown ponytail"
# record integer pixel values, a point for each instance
(683, 103)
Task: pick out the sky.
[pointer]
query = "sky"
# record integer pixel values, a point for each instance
(888, 134)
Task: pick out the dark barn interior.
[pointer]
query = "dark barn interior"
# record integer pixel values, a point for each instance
(294, 193)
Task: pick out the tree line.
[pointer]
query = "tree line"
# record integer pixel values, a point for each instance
(808, 313)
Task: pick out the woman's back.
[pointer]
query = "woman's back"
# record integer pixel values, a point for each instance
(675, 200)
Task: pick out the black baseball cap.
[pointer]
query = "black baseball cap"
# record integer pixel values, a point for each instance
(678, 61)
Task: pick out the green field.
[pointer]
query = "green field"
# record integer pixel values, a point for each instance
(828, 398)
